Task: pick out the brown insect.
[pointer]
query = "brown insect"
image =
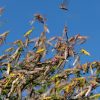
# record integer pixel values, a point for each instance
(65, 30)
(40, 18)
(1, 41)
(64, 5)
(1, 10)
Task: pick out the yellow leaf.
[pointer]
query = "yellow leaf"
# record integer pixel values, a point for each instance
(85, 52)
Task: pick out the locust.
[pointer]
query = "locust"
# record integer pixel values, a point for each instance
(19, 43)
(64, 5)
(29, 32)
(9, 49)
(3, 57)
(1, 10)
(3, 37)
(16, 54)
(39, 18)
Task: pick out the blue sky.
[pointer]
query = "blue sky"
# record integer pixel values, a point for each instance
(82, 17)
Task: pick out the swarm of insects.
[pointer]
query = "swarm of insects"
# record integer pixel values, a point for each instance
(47, 68)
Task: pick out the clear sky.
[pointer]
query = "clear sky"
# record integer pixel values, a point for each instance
(82, 17)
